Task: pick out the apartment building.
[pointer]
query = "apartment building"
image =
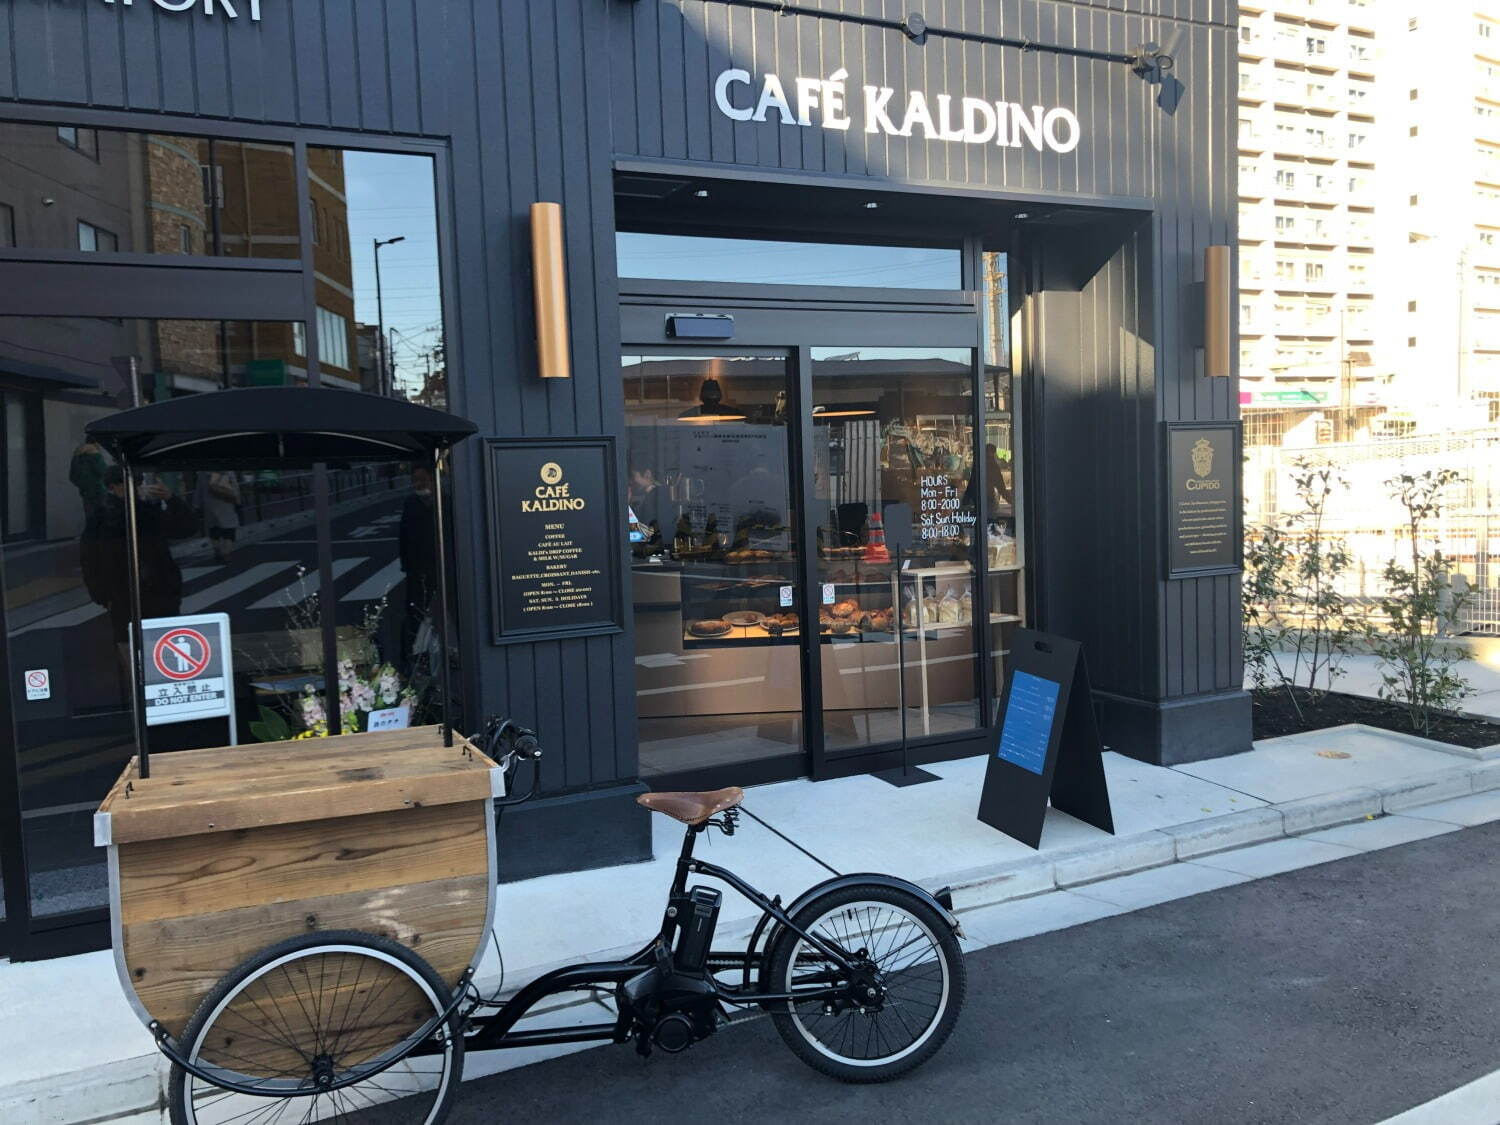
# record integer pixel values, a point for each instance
(1440, 304)
(1309, 367)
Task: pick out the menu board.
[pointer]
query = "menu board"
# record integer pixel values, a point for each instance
(1029, 712)
(1203, 533)
(555, 538)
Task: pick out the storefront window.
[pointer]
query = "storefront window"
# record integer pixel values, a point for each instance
(713, 583)
(680, 257)
(210, 542)
(896, 496)
(108, 191)
(380, 316)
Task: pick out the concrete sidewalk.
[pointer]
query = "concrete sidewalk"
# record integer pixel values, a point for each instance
(100, 1065)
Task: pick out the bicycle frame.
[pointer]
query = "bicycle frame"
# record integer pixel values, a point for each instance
(497, 1031)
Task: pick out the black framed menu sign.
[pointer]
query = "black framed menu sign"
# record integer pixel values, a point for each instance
(555, 537)
(1203, 499)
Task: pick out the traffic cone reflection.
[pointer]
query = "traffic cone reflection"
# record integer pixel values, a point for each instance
(875, 549)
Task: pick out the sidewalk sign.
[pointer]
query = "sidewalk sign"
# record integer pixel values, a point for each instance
(189, 670)
(1049, 742)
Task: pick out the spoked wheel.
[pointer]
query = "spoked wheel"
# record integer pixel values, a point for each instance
(897, 1007)
(319, 1028)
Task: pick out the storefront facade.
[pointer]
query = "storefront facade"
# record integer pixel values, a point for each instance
(895, 330)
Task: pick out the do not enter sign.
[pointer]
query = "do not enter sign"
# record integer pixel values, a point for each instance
(188, 668)
(182, 654)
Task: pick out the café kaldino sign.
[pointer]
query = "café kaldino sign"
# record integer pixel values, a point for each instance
(231, 9)
(829, 104)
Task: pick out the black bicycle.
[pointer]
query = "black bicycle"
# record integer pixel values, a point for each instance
(862, 977)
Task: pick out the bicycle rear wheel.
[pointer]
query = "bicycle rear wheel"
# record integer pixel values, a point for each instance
(897, 1007)
(317, 1028)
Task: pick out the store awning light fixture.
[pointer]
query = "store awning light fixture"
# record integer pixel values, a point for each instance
(550, 281)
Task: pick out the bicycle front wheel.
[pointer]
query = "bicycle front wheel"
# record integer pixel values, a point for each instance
(895, 1009)
(317, 1028)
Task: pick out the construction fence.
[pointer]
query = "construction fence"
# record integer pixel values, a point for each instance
(1373, 524)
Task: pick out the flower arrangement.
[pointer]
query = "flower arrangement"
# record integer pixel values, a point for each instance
(359, 695)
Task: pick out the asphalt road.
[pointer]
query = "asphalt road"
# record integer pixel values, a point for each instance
(1343, 993)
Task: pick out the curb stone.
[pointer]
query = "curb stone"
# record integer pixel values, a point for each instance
(1329, 809)
(1232, 830)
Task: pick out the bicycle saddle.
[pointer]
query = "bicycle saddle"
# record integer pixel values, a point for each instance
(692, 808)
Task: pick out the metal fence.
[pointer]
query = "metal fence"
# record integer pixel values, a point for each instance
(1373, 524)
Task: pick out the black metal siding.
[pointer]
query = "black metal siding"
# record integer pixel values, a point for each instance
(536, 100)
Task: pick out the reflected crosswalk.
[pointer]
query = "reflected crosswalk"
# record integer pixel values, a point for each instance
(210, 598)
(226, 587)
(303, 588)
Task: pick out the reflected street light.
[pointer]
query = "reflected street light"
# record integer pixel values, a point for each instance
(382, 353)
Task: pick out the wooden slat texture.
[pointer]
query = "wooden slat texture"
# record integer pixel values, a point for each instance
(188, 876)
(175, 962)
(230, 788)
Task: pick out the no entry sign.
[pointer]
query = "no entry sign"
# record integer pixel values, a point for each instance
(189, 671)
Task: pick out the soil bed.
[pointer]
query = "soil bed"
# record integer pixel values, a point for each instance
(1275, 716)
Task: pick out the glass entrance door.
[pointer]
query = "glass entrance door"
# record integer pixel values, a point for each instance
(895, 495)
(716, 556)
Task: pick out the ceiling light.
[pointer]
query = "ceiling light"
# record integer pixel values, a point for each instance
(1023, 215)
(701, 193)
(871, 205)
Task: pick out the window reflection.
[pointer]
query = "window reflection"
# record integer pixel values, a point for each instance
(679, 257)
(206, 546)
(105, 191)
(380, 317)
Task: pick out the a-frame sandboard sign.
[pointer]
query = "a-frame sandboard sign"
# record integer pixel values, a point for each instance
(1049, 742)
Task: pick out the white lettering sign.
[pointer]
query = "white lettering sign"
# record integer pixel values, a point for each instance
(230, 8)
(823, 102)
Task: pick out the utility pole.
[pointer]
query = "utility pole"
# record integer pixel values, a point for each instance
(384, 379)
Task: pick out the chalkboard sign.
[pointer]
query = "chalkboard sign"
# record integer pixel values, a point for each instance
(1049, 748)
(1203, 496)
(556, 537)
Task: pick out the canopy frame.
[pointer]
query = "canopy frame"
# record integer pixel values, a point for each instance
(136, 439)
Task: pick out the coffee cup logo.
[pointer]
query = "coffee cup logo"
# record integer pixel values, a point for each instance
(553, 494)
(1203, 457)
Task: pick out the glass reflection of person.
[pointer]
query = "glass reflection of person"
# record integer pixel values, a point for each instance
(86, 472)
(222, 508)
(998, 498)
(102, 549)
(418, 555)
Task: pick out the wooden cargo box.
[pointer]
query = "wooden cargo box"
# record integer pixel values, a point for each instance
(222, 852)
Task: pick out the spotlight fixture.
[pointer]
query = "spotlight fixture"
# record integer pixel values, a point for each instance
(871, 205)
(701, 193)
(1022, 215)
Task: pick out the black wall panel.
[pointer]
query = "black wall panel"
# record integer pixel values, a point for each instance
(536, 100)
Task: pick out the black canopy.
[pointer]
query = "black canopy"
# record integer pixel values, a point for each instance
(257, 427)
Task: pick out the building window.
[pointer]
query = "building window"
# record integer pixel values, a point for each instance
(1286, 270)
(299, 339)
(1411, 132)
(1285, 223)
(1316, 46)
(1313, 271)
(185, 238)
(1412, 201)
(1411, 306)
(1486, 29)
(85, 141)
(333, 339)
(7, 225)
(1411, 95)
(1285, 178)
(96, 239)
(1411, 341)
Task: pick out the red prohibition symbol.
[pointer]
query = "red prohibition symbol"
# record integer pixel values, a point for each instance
(175, 656)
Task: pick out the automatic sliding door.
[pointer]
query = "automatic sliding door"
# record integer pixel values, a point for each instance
(714, 577)
(893, 475)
